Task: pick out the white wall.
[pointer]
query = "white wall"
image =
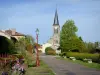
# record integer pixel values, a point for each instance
(44, 46)
(18, 37)
(5, 35)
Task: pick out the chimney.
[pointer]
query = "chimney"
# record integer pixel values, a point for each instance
(13, 31)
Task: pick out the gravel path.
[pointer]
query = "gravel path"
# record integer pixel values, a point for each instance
(62, 67)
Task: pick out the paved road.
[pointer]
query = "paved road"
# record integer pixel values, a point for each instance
(62, 67)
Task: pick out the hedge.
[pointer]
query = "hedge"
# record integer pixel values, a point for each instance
(81, 56)
(50, 51)
(62, 54)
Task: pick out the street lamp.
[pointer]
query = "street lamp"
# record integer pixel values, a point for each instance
(37, 58)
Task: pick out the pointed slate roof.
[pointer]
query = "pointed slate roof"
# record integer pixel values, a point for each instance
(56, 21)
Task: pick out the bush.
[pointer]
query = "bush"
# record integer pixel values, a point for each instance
(7, 46)
(62, 54)
(19, 56)
(50, 51)
(81, 56)
(28, 58)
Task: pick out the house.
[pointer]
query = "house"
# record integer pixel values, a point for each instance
(14, 34)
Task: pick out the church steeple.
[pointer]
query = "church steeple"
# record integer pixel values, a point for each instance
(56, 21)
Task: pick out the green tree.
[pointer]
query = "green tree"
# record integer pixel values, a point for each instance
(30, 39)
(20, 46)
(90, 47)
(68, 39)
(11, 48)
(23, 47)
(97, 45)
(80, 38)
(23, 43)
(6, 45)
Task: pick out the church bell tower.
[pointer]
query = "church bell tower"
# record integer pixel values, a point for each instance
(56, 31)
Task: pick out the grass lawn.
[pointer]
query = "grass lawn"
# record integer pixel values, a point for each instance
(90, 65)
(43, 69)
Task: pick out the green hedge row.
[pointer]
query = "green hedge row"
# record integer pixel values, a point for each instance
(50, 51)
(81, 56)
(62, 54)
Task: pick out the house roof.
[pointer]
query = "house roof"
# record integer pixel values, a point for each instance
(15, 34)
(19, 34)
(3, 32)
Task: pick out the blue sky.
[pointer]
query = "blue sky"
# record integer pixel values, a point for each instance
(27, 15)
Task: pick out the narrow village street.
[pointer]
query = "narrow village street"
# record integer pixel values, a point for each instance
(61, 67)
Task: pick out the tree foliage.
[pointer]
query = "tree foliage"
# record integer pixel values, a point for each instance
(24, 46)
(25, 43)
(30, 39)
(20, 46)
(97, 45)
(92, 47)
(80, 38)
(11, 48)
(68, 39)
(6, 45)
(30, 48)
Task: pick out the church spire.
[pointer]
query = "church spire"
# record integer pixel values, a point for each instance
(56, 21)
